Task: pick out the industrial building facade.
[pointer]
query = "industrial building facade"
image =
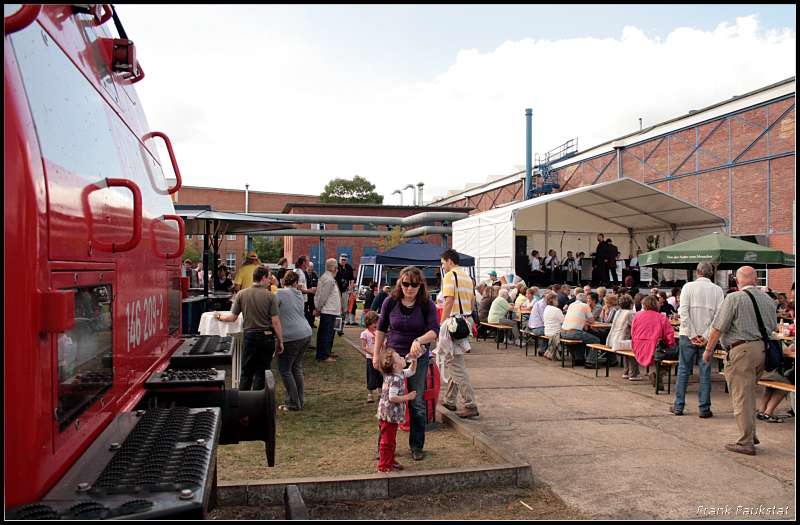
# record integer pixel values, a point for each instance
(233, 248)
(735, 159)
(327, 247)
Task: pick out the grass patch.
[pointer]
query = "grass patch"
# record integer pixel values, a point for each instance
(336, 432)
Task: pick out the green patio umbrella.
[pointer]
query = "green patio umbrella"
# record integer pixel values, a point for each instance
(725, 253)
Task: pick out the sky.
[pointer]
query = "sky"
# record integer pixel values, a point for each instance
(286, 98)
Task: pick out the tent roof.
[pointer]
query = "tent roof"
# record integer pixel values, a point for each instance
(417, 252)
(194, 217)
(616, 206)
(725, 252)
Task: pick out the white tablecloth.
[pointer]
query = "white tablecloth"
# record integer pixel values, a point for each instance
(210, 326)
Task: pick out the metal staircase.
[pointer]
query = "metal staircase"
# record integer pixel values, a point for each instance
(545, 176)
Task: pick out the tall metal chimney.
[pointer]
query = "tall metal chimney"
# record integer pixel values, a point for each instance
(401, 196)
(528, 155)
(419, 192)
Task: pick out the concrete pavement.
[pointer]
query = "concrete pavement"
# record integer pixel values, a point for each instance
(611, 448)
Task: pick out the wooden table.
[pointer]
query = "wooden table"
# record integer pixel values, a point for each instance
(601, 326)
(675, 322)
(782, 337)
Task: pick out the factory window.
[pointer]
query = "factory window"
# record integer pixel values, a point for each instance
(230, 237)
(230, 260)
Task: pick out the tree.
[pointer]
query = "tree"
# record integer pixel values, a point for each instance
(268, 251)
(391, 239)
(653, 242)
(356, 191)
(190, 252)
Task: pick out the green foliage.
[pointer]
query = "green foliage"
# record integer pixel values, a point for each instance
(268, 251)
(191, 252)
(391, 239)
(653, 242)
(356, 191)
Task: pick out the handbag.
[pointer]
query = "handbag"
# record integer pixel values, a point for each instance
(772, 349)
(476, 319)
(462, 328)
(664, 352)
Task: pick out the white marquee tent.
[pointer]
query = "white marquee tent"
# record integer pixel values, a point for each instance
(625, 210)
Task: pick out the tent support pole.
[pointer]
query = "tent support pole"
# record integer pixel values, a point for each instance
(546, 227)
(205, 263)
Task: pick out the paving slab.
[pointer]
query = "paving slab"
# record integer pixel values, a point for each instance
(610, 447)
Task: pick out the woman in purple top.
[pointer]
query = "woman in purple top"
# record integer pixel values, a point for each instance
(410, 332)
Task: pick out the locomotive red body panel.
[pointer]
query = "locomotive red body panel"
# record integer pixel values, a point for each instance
(92, 303)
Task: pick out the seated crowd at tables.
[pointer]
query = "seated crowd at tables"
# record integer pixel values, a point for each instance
(635, 319)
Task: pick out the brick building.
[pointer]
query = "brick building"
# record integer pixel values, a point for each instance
(735, 158)
(354, 247)
(233, 248)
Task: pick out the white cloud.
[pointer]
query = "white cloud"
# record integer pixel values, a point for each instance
(261, 106)
(588, 88)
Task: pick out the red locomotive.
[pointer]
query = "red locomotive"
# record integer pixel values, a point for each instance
(102, 418)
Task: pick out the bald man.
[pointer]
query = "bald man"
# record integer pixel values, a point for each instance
(736, 326)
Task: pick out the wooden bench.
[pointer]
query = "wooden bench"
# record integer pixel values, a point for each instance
(669, 363)
(777, 385)
(603, 348)
(499, 328)
(529, 336)
(564, 344)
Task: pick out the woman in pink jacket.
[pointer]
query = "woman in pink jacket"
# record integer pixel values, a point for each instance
(650, 327)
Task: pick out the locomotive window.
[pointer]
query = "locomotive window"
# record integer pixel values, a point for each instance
(174, 299)
(85, 354)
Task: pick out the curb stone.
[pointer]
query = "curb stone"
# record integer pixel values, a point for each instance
(510, 470)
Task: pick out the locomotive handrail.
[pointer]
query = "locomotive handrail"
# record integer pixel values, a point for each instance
(181, 234)
(139, 75)
(21, 19)
(179, 181)
(106, 14)
(137, 213)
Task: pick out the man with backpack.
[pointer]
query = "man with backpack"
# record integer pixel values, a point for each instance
(737, 324)
(459, 299)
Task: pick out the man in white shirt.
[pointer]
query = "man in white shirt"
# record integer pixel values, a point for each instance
(699, 302)
(551, 265)
(300, 269)
(479, 293)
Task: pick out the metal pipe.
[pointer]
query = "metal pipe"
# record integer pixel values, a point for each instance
(411, 220)
(528, 154)
(247, 210)
(326, 233)
(401, 195)
(428, 230)
(416, 232)
(419, 192)
(413, 192)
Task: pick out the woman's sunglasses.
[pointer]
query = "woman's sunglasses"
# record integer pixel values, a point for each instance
(407, 284)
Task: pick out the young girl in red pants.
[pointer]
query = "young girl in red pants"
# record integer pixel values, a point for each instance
(392, 406)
